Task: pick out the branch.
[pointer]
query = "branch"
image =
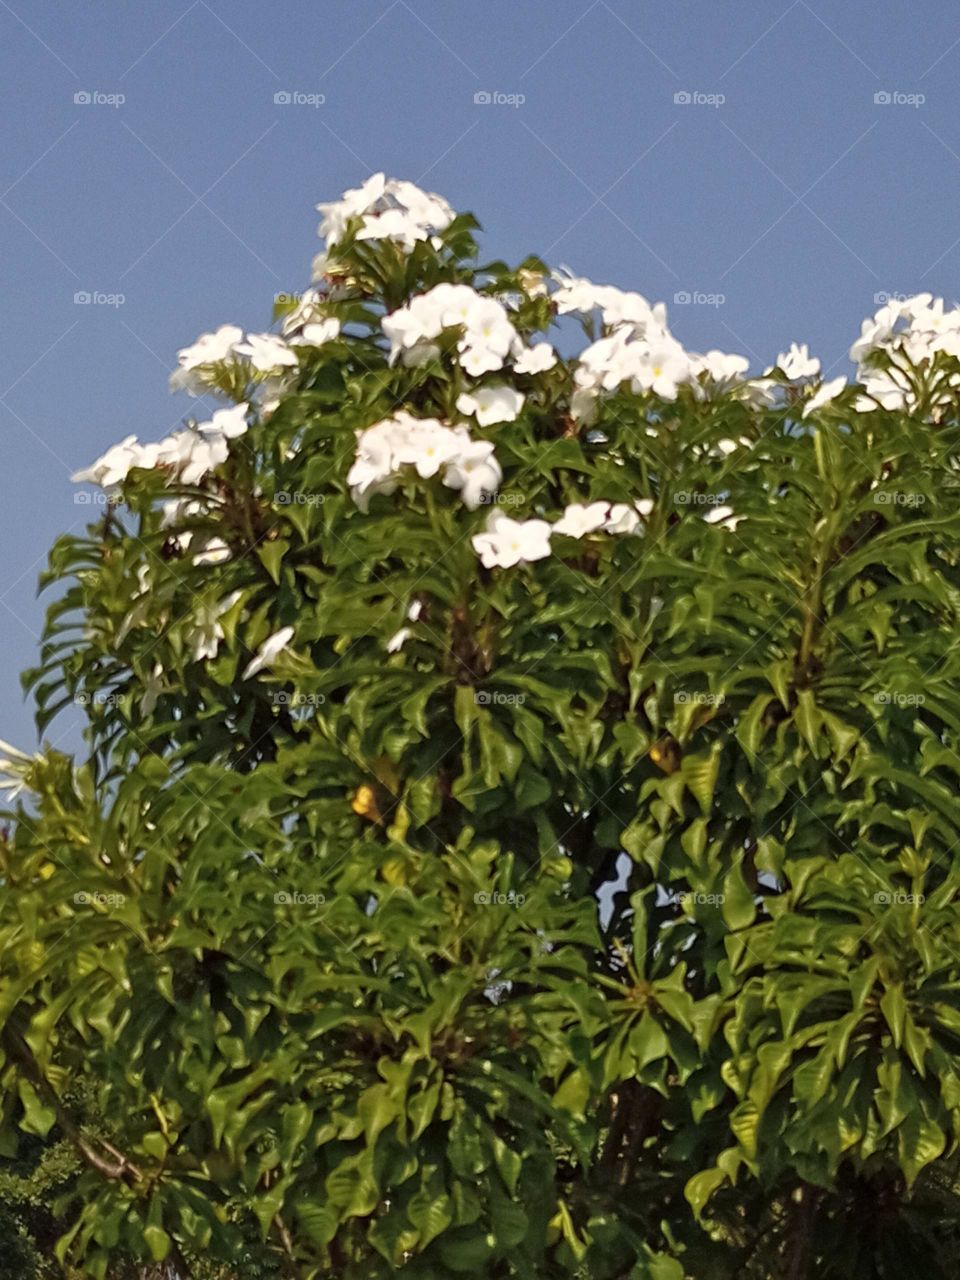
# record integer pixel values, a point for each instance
(120, 1168)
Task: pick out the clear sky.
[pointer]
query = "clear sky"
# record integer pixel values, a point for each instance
(777, 192)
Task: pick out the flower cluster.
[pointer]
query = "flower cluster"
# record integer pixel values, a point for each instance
(897, 351)
(489, 373)
(387, 448)
(637, 348)
(488, 338)
(255, 358)
(308, 324)
(386, 209)
(506, 542)
(260, 360)
(186, 455)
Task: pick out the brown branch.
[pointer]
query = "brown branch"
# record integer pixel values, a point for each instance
(120, 1168)
(290, 1261)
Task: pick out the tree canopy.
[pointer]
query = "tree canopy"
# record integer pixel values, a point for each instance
(516, 834)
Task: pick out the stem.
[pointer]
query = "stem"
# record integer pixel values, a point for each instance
(286, 1240)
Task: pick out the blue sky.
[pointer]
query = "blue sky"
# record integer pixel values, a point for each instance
(778, 191)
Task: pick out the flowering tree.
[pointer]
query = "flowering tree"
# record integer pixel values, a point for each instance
(517, 832)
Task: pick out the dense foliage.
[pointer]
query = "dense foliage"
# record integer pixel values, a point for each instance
(517, 834)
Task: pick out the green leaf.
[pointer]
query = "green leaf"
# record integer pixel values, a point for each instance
(430, 1214)
(271, 556)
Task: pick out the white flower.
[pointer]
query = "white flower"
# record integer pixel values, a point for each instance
(226, 423)
(307, 324)
(662, 367)
(318, 332)
(921, 314)
(419, 354)
(425, 444)
(490, 405)
(761, 393)
(14, 767)
(190, 455)
(827, 392)
(398, 640)
(582, 296)
(798, 362)
(583, 405)
(720, 367)
(536, 359)
(428, 446)
(271, 647)
(113, 467)
(373, 466)
(608, 361)
(474, 471)
(428, 314)
(509, 542)
(389, 210)
(477, 359)
(381, 452)
(352, 204)
(575, 294)
(578, 519)
(891, 388)
(205, 635)
(392, 224)
(215, 552)
(652, 362)
(622, 519)
(488, 335)
(209, 348)
(488, 338)
(266, 352)
(722, 516)
(176, 510)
